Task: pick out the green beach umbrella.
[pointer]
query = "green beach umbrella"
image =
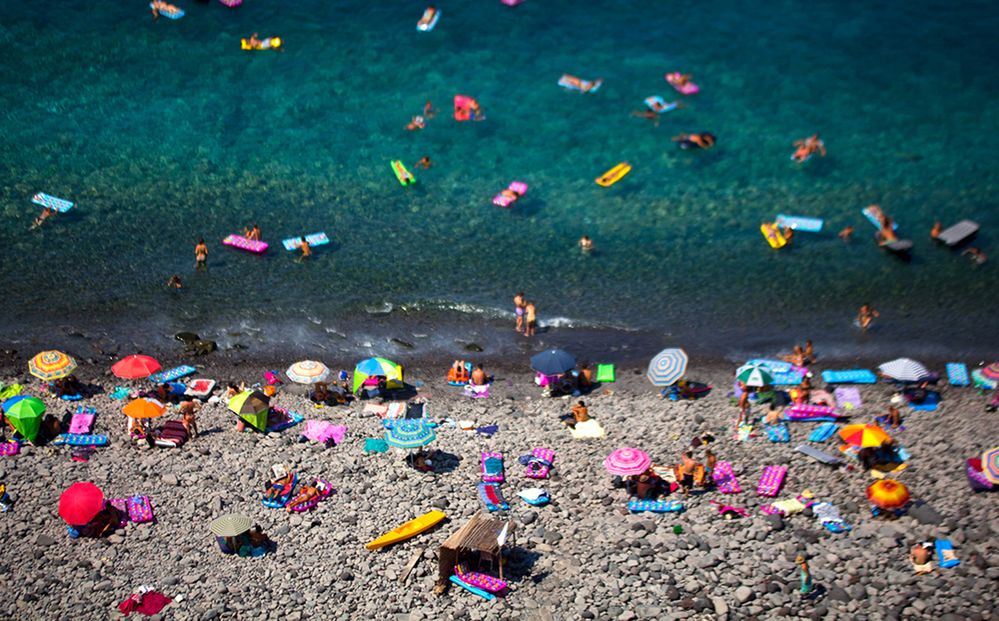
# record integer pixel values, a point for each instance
(25, 415)
(373, 367)
(755, 375)
(253, 407)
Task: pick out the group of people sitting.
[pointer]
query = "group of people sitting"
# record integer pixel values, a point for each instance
(572, 382)
(326, 394)
(459, 374)
(689, 473)
(253, 542)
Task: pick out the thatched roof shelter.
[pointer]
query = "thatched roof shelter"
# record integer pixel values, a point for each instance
(480, 534)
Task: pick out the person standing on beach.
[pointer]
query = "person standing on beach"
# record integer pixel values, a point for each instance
(518, 306)
(188, 409)
(806, 576)
(743, 406)
(531, 328)
(201, 254)
(865, 316)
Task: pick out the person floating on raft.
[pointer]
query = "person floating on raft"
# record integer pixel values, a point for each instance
(256, 43)
(47, 213)
(467, 109)
(578, 84)
(703, 140)
(807, 147)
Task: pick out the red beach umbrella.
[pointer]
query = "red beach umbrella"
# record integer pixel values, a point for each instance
(80, 503)
(135, 366)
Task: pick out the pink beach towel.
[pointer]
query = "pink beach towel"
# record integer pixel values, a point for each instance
(493, 474)
(724, 478)
(81, 423)
(121, 505)
(848, 397)
(804, 412)
(9, 448)
(537, 470)
(140, 509)
(322, 431)
(770, 482)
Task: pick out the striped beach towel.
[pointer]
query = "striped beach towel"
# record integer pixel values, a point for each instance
(778, 432)
(655, 506)
(771, 481)
(724, 478)
(957, 374)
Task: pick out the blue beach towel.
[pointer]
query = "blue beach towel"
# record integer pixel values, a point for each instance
(957, 374)
(172, 374)
(655, 506)
(822, 433)
(929, 404)
(945, 554)
(850, 376)
(778, 432)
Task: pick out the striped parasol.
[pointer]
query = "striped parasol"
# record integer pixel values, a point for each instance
(991, 371)
(887, 494)
(904, 370)
(51, 365)
(990, 464)
(627, 462)
(667, 367)
(755, 375)
(864, 436)
(231, 525)
(308, 372)
(409, 434)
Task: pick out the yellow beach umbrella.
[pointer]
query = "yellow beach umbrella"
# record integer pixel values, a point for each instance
(51, 365)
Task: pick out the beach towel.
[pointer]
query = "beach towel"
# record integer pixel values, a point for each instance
(172, 434)
(172, 374)
(287, 419)
(492, 467)
(605, 374)
(199, 388)
(140, 510)
(791, 378)
(850, 376)
(724, 478)
(539, 464)
(9, 449)
(534, 496)
(82, 420)
(480, 580)
(778, 432)
(587, 430)
(957, 374)
(848, 398)
(823, 432)
(945, 554)
(69, 439)
(487, 430)
(743, 433)
(655, 506)
(476, 392)
(377, 409)
(771, 480)
(929, 404)
(375, 445)
(324, 432)
(120, 392)
(828, 515)
(121, 504)
(820, 456)
(492, 497)
(802, 412)
(395, 409)
(790, 506)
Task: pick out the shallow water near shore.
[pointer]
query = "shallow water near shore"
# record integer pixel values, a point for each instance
(165, 132)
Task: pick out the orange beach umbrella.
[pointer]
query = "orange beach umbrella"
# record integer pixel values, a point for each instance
(887, 494)
(144, 408)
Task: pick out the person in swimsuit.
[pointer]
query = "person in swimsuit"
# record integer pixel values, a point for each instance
(518, 304)
(647, 114)
(865, 316)
(252, 234)
(806, 577)
(428, 110)
(278, 487)
(886, 234)
(976, 255)
(155, 6)
(306, 250)
(585, 244)
(681, 79)
(254, 41)
(808, 147)
(424, 162)
(687, 468)
(809, 354)
(201, 254)
(188, 409)
(307, 493)
(417, 122)
(846, 233)
(530, 329)
(47, 213)
(921, 556)
(174, 282)
(479, 376)
(703, 140)
(936, 230)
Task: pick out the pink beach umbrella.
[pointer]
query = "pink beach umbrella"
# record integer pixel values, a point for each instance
(627, 462)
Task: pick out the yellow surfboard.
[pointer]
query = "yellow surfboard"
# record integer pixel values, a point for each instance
(614, 175)
(773, 235)
(409, 529)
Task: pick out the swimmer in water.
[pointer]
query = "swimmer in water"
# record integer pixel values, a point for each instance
(936, 230)
(306, 250)
(155, 6)
(865, 316)
(424, 162)
(704, 140)
(201, 254)
(976, 255)
(174, 282)
(428, 111)
(808, 147)
(647, 114)
(846, 233)
(417, 122)
(47, 213)
(254, 41)
(585, 244)
(680, 79)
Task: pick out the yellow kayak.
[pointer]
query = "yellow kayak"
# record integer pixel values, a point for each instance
(409, 529)
(774, 237)
(614, 175)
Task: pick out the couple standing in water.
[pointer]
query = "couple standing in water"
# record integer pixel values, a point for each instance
(524, 307)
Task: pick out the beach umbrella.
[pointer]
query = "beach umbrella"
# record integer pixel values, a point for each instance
(887, 494)
(755, 375)
(904, 370)
(252, 406)
(990, 464)
(230, 525)
(80, 503)
(667, 367)
(373, 367)
(553, 362)
(308, 372)
(864, 436)
(991, 371)
(627, 462)
(135, 366)
(144, 408)
(25, 415)
(51, 365)
(409, 434)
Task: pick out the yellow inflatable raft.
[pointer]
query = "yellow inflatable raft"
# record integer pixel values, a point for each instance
(614, 175)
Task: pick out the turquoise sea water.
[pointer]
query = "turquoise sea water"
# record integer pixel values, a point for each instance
(166, 132)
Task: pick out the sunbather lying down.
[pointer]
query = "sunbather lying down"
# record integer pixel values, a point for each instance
(307, 493)
(279, 487)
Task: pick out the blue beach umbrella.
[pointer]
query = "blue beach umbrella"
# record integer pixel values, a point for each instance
(409, 434)
(553, 362)
(667, 367)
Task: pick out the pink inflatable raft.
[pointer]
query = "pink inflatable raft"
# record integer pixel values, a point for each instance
(325, 489)
(687, 89)
(511, 2)
(249, 245)
(509, 196)
(232, 4)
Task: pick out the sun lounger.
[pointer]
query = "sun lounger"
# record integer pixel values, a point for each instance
(820, 456)
(655, 506)
(848, 398)
(480, 580)
(803, 412)
(828, 515)
(492, 497)
(492, 467)
(771, 480)
(541, 466)
(957, 374)
(83, 420)
(172, 374)
(140, 509)
(823, 432)
(724, 478)
(945, 554)
(587, 430)
(778, 432)
(850, 376)
(954, 235)
(172, 434)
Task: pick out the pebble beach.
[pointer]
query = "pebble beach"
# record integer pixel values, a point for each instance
(583, 556)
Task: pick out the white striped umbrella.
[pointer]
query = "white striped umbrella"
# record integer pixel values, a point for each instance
(667, 367)
(755, 375)
(308, 372)
(904, 370)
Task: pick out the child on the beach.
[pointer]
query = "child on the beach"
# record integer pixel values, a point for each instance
(531, 327)
(518, 307)
(188, 409)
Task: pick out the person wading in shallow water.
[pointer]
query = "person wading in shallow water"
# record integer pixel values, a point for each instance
(518, 307)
